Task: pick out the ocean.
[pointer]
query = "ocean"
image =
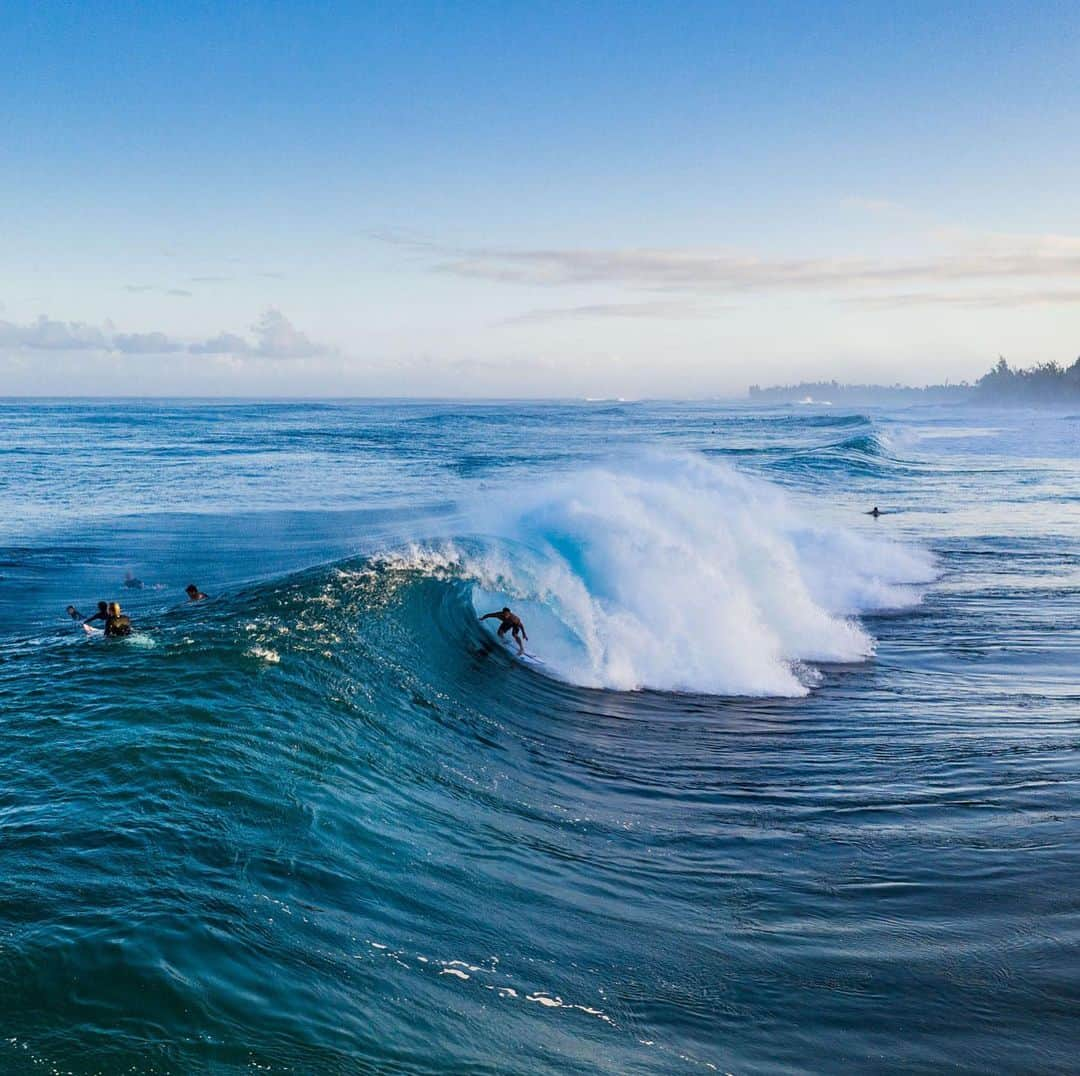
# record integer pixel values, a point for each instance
(790, 788)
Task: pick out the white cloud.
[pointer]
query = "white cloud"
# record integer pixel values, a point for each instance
(48, 335)
(651, 310)
(144, 344)
(275, 337)
(997, 299)
(278, 338)
(717, 271)
(222, 344)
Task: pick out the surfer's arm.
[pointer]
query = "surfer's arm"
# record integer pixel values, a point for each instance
(488, 616)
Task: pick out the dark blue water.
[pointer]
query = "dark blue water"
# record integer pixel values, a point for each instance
(793, 790)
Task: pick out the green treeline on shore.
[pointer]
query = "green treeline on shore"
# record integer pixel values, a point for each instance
(1047, 383)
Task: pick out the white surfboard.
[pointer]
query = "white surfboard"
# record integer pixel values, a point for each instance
(136, 638)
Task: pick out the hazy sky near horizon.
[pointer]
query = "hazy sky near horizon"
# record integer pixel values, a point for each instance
(511, 198)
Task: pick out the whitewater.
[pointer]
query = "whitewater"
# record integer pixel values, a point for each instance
(679, 574)
(791, 788)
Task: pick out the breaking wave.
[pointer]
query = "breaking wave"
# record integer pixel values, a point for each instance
(676, 574)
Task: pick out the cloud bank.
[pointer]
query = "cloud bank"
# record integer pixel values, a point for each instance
(274, 337)
(1006, 260)
(718, 272)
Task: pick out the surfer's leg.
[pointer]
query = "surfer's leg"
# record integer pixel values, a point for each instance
(517, 639)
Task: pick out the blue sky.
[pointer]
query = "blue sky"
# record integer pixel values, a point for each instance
(533, 199)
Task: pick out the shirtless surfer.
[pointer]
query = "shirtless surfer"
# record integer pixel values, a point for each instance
(510, 622)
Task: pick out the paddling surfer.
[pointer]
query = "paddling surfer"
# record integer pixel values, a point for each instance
(510, 622)
(101, 614)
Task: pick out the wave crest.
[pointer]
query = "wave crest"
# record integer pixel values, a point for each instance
(678, 574)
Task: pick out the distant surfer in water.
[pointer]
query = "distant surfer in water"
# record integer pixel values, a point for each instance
(73, 613)
(875, 512)
(132, 583)
(194, 594)
(510, 622)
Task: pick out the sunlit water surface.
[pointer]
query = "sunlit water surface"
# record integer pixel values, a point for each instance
(794, 789)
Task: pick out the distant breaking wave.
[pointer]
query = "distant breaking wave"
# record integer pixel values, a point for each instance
(870, 453)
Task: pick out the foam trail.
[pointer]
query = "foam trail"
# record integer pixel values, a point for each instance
(678, 573)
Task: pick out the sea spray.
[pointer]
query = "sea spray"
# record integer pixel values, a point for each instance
(678, 573)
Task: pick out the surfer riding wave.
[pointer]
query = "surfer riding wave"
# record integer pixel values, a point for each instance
(510, 622)
(672, 573)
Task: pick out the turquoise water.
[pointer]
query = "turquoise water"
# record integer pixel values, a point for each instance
(794, 790)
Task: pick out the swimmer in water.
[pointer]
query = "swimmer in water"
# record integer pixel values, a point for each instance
(73, 613)
(117, 624)
(194, 594)
(510, 622)
(875, 512)
(132, 583)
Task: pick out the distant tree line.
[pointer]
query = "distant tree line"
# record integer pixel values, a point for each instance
(1046, 383)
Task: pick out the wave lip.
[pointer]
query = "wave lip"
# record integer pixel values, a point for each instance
(680, 574)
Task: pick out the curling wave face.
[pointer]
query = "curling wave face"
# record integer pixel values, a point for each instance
(678, 574)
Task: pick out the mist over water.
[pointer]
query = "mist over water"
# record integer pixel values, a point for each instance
(792, 788)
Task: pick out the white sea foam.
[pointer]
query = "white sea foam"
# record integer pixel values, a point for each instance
(679, 573)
